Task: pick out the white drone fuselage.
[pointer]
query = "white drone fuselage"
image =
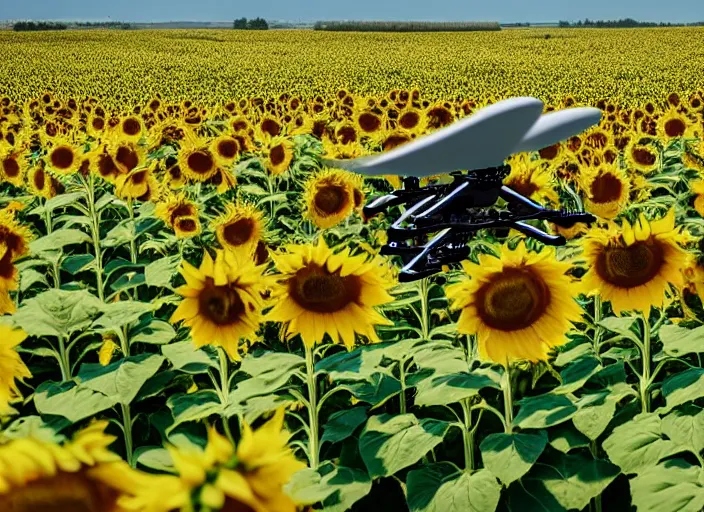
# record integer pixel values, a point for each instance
(479, 141)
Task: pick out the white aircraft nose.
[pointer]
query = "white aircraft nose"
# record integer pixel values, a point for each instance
(556, 126)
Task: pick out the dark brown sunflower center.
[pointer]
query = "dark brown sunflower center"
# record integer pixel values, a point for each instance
(62, 493)
(549, 152)
(175, 172)
(316, 289)
(606, 188)
(370, 122)
(277, 154)
(200, 162)
(358, 197)
(409, 120)
(643, 156)
(6, 267)
(39, 179)
(393, 141)
(675, 127)
(271, 127)
(238, 232)
(439, 117)
(106, 166)
(62, 157)
(347, 135)
(98, 123)
(182, 210)
(331, 199)
(233, 505)
(186, 224)
(227, 148)
(628, 267)
(139, 177)
(513, 300)
(525, 187)
(220, 304)
(127, 157)
(10, 167)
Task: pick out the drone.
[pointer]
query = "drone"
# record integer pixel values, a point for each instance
(472, 151)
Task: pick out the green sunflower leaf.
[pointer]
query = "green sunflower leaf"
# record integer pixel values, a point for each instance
(510, 456)
(439, 487)
(390, 443)
(672, 486)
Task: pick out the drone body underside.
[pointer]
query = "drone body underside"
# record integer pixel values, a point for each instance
(454, 213)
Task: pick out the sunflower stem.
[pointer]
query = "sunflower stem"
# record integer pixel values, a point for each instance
(313, 409)
(645, 376)
(508, 398)
(468, 436)
(224, 374)
(425, 321)
(95, 231)
(127, 422)
(49, 229)
(63, 360)
(402, 379)
(133, 243)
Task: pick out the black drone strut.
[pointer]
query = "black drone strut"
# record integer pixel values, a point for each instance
(456, 211)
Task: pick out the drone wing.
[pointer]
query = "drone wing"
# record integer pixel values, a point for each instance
(479, 141)
(557, 126)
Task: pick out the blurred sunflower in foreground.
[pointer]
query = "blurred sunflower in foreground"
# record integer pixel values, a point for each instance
(249, 477)
(633, 265)
(14, 243)
(78, 475)
(320, 292)
(519, 305)
(12, 368)
(222, 300)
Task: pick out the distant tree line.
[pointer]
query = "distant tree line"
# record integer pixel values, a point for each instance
(255, 24)
(104, 24)
(624, 23)
(405, 26)
(30, 26)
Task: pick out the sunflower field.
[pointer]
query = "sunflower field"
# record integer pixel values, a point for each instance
(195, 314)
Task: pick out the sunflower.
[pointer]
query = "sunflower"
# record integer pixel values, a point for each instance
(643, 157)
(174, 178)
(138, 184)
(633, 265)
(103, 165)
(531, 179)
(13, 166)
(342, 151)
(321, 292)
(597, 138)
(180, 214)
(697, 188)
(108, 347)
(222, 300)
(126, 156)
(14, 243)
(673, 124)
(328, 197)
(225, 148)
(519, 305)
(240, 227)
(223, 180)
(692, 162)
(95, 126)
(606, 189)
(196, 161)
(64, 157)
(130, 128)
(693, 274)
(249, 477)
(12, 368)
(278, 155)
(81, 474)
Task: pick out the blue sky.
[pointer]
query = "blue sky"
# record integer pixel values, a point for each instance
(504, 11)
